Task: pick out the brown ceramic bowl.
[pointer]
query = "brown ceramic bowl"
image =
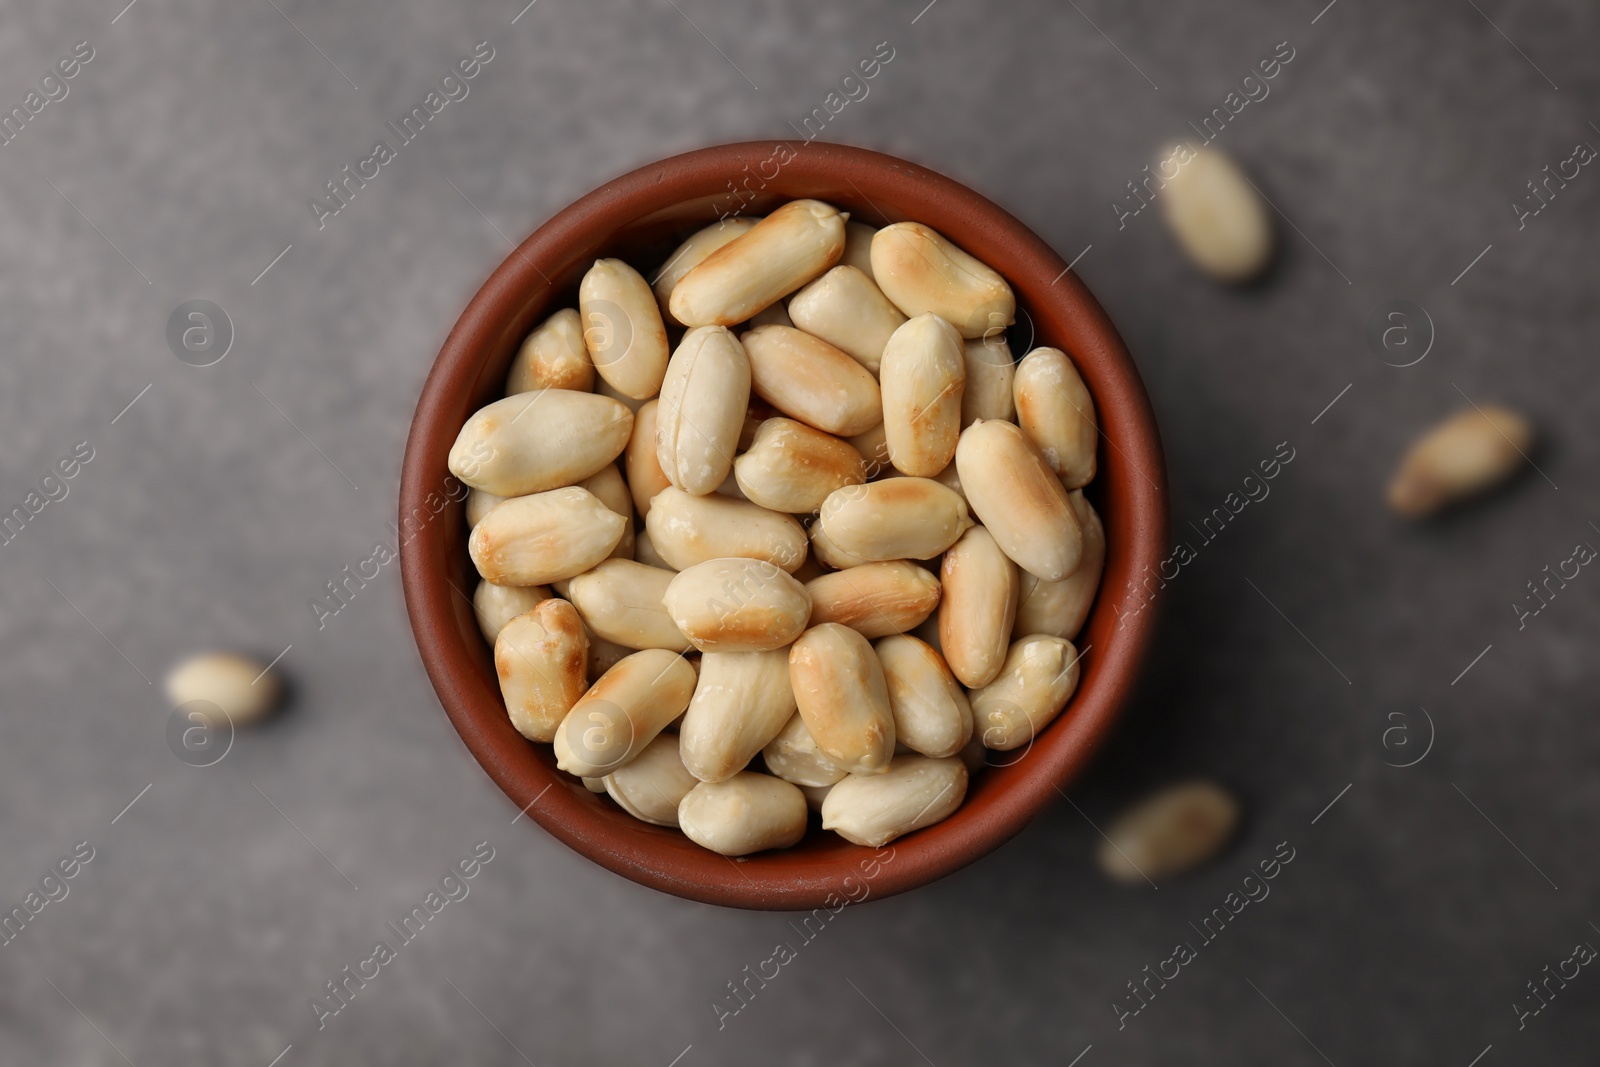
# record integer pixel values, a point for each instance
(640, 217)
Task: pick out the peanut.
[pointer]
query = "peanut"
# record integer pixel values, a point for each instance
(845, 309)
(931, 712)
(875, 599)
(980, 605)
(1462, 456)
(741, 702)
(1060, 608)
(645, 476)
(1215, 213)
(990, 371)
(1174, 830)
(778, 255)
(686, 530)
(1035, 682)
(691, 254)
(621, 602)
(794, 756)
(747, 813)
(791, 467)
(623, 712)
(541, 659)
(1019, 498)
(540, 440)
(898, 518)
(544, 537)
(839, 688)
(553, 357)
(703, 401)
(808, 379)
(1056, 412)
(496, 605)
(737, 605)
(915, 792)
(622, 328)
(923, 375)
(650, 787)
(921, 272)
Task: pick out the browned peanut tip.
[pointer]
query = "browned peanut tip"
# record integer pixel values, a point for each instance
(1466, 454)
(788, 248)
(842, 696)
(914, 792)
(875, 599)
(1055, 410)
(1170, 832)
(540, 440)
(921, 272)
(747, 813)
(1219, 219)
(544, 537)
(622, 328)
(1019, 499)
(541, 658)
(552, 357)
(737, 605)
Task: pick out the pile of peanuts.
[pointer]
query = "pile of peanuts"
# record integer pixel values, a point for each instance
(865, 549)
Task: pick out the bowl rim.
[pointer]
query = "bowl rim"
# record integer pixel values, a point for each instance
(1140, 501)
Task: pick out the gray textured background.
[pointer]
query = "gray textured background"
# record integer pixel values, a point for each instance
(1395, 141)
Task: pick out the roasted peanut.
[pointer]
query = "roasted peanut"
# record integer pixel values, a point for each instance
(540, 440)
(875, 599)
(622, 328)
(922, 377)
(829, 553)
(839, 688)
(480, 504)
(990, 371)
(874, 448)
(541, 660)
(606, 389)
(645, 476)
(621, 602)
(915, 792)
(691, 254)
(921, 272)
(623, 712)
(979, 607)
(931, 712)
(544, 537)
(612, 491)
(496, 605)
(791, 467)
(1018, 497)
(645, 552)
(794, 756)
(858, 247)
(737, 605)
(772, 315)
(703, 402)
(1461, 457)
(747, 813)
(603, 654)
(1060, 608)
(1035, 682)
(686, 530)
(845, 309)
(778, 255)
(898, 518)
(808, 379)
(553, 357)
(741, 702)
(1214, 211)
(651, 787)
(1170, 832)
(244, 689)
(1055, 410)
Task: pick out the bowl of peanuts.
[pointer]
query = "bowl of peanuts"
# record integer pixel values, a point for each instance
(776, 524)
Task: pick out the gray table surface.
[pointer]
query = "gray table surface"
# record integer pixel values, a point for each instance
(180, 164)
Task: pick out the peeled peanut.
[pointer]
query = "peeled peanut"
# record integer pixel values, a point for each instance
(244, 689)
(691, 254)
(1462, 456)
(990, 371)
(1018, 497)
(621, 602)
(772, 315)
(622, 328)
(875, 599)
(858, 247)
(1060, 608)
(496, 605)
(645, 552)
(839, 688)
(979, 607)
(737, 605)
(778, 255)
(606, 389)
(703, 401)
(915, 792)
(845, 309)
(650, 787)
(1035, 682)
(623, 712)
(791, 467)
(544, 537)
(553, 357)
(815, 795)
(1219, 219)
(794, 756)
(686, 530)
(741, 702)
(823, 548)
(1172, 831)
(808, 379)
(747, 813)
(480, 504)
(931, 712)
(1055, 410)
(950, 478)
(923, 374)
(921, 272)
(603, 654)
(540, 658)
(898, 518)
(645, 476)
(540, 440)
(609, 486)
(874, 448)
